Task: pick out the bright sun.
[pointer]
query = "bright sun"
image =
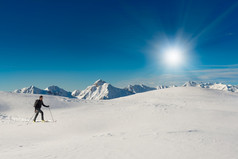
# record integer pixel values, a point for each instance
(173, 56)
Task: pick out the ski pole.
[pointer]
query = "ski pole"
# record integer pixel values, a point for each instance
(30, 119)
(51, 115)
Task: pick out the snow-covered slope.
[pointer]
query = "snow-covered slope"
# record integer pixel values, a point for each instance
(102, 90)
(55, 90)
(216, 86)
(174, 123)
(31, 90)
(139, 88)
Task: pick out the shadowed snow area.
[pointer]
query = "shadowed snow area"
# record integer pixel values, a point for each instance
(173, 123)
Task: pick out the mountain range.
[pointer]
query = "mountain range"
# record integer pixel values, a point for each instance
(51, 90)
(103, 90)
(216, 86)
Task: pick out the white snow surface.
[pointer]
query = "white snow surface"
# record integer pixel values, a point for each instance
(173, 123)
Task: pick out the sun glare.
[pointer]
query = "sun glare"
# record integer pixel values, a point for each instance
(173, 57)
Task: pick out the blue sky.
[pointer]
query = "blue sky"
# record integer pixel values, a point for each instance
(73, 43)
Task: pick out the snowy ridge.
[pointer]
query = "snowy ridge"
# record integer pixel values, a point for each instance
(75, 93)
(31, 90)
(51, 90)
(216, 86)
(190, 84)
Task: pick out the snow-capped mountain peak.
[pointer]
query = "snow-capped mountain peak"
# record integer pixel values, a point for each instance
(102, 90)
(99, 82)
(55, 90)
(190, 84)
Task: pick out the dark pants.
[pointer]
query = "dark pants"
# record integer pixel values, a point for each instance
(37, 111)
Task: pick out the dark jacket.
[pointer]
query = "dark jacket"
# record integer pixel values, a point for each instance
(39, 103)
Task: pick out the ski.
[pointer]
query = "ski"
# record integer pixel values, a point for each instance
(46, 121)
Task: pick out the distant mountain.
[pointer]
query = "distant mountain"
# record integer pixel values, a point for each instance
(55, 90)
(172, 86)
(75, 93)
(191, 84)
(217, 86)
(102, 90)
(139, 88)
(52, 90)
(224, 87)
(162, 87)
(31, 90)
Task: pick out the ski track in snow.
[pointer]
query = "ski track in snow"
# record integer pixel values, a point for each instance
(173, 123)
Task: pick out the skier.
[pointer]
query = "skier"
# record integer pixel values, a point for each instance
(37, 105)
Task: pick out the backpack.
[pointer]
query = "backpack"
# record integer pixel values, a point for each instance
(36, 102)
